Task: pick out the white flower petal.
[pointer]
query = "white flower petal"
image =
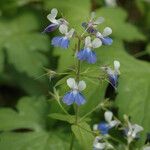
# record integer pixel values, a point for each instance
(96, 43)
(95, 127)
(92, 15)
(108, 116)
(107, 31)
(114, 123)
(146, 148)
(70, 33)
(99, 146)
(88, 41)
(99, 20)
(51, 17)
(54, 12)
(71, 83)
(99, 35)
(109, 71)
(136, 129)
(116, 65)
(63, 29)
(81, 85)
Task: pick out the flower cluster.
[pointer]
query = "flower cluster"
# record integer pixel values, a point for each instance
(131, 131)
(86, 53)
(100, 144)
(106, 125)
(94, 39)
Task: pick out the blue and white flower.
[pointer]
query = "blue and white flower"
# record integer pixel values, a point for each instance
(132, 131)
(99, 144)
(90, 27)
(63, 41)
(75, 96)
(106, 125)
(55, 23)
(104, 36)
(113, 75)
(87, 53)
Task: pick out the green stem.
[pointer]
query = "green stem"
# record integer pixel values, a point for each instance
(72, 142)
(63, 109)
(127, 147)
(76, 113)
(90, 112)
(111, 137)
(140, 54)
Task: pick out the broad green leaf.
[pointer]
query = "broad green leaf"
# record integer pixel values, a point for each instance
(84, 136)
(23, 45)
(62, 117)
(14, 4)
(31, 115)
(116, 19)
(32, 140)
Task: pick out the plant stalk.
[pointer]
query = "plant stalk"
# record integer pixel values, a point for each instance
(76, 106)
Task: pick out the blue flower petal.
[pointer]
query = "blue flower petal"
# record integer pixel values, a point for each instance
(56, 41)
(79, 99)
(64, 43)
(51, 27)
(88, 55)
(60, 41)
(82, 54)
(113, 80)
(69, 98)
(91, 57)
(106, 41)
(104, 127)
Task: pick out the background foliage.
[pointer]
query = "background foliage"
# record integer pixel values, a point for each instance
(25, 51)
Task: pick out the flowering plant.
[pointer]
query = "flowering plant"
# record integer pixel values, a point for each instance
(84, 53)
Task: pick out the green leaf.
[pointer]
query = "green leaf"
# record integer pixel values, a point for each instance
(83, 135)
(32, 140)
(31, 114)
(24, 45)
(68, 118)
(14, 4)
(117, 21)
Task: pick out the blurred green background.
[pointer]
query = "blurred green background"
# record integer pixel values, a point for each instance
(25, 51)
